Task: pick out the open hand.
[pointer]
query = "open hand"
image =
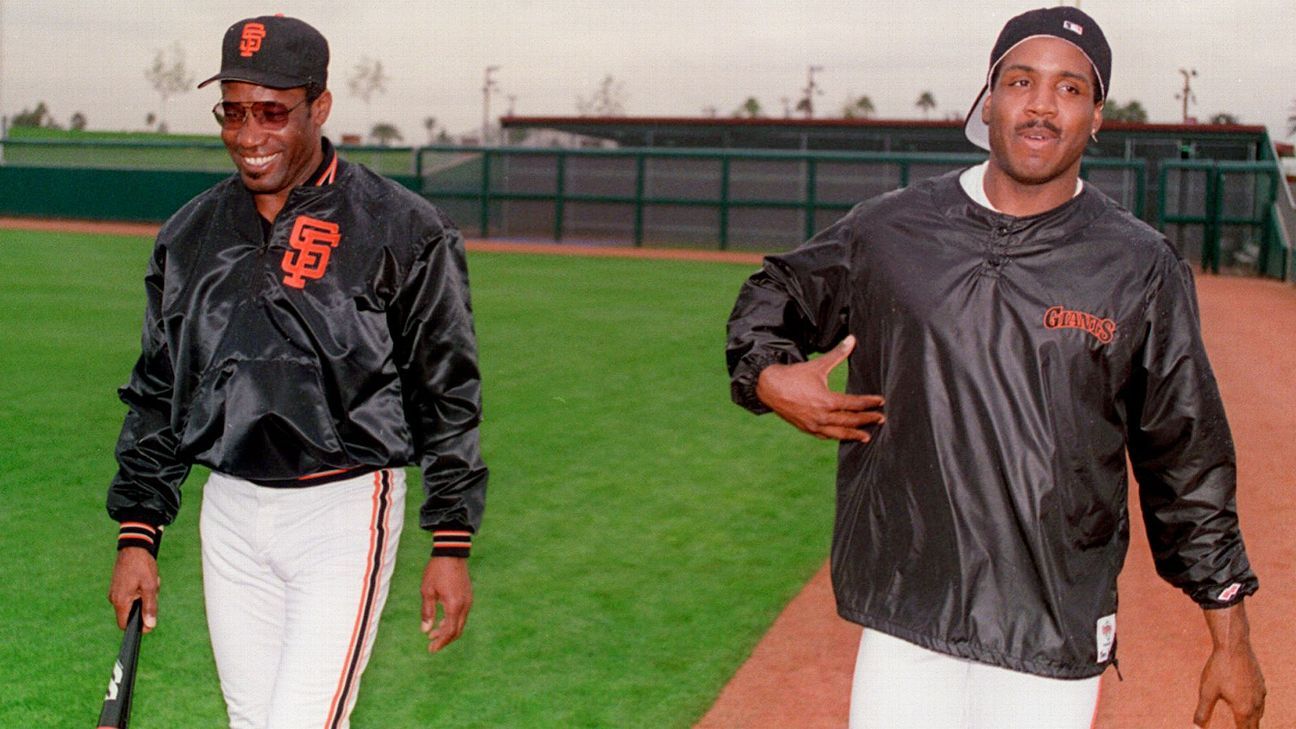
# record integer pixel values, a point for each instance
(799, 394)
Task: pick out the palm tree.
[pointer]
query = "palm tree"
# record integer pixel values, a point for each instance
(926, 102)
(750, 109)
(385, 133)
(861, 107)
(1292, 121)
(1131, 112)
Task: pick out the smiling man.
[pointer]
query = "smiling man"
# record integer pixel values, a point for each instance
(308, 333)
(1025, 335)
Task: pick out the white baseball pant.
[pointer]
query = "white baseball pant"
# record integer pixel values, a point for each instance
(899, 685)
(294, 581)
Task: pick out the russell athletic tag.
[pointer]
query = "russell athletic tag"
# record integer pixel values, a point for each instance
(1106, 636)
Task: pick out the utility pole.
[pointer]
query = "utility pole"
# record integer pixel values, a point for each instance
(488, 85)
(811, 90)
(4, 120)
(1186, 95)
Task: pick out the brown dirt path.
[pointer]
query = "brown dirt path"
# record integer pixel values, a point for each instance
(799, 674)
(497, 246)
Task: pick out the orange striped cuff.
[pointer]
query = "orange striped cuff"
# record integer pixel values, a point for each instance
(139, 534)
(451, 543)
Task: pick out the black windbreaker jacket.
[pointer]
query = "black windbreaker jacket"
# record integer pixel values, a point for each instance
(1021, 359)
(343, 341)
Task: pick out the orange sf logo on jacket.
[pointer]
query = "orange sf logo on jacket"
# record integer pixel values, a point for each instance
(312, 243)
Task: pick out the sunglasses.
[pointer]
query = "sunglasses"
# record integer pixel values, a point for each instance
(269, 114)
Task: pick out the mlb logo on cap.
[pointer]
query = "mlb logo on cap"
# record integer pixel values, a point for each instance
(1073, 27)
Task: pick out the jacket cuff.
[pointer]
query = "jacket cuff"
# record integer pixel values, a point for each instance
(451, 543)
(1222, 596)
(139, 534)
(743, 386)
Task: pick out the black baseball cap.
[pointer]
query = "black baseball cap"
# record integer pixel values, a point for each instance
(273, 51)
(1069, 24)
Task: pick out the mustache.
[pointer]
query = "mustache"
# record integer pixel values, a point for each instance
(1045, 123)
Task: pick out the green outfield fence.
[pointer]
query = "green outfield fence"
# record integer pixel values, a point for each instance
(744, 199)
(1221, 214)
(130, 180)
(1232, 207)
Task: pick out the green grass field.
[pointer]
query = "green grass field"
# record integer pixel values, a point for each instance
(641, 532)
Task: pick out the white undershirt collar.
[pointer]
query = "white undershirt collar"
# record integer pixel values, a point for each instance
(973, 181)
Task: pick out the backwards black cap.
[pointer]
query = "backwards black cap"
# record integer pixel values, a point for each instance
(273, 51)
(1067, 23)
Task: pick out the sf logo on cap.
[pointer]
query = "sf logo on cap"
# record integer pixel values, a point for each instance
(251, 41)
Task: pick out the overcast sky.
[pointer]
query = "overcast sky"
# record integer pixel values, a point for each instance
(673, 57)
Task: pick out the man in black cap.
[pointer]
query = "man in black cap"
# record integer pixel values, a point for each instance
(308, 333)
(1025, 334)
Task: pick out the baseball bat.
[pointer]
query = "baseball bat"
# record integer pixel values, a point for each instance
(121, 686)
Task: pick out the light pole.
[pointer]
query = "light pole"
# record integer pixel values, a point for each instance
(1187, 94)
(488, 85)
(811, 89)
(4, 120)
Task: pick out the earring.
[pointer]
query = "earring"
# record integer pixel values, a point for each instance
(1094, 136)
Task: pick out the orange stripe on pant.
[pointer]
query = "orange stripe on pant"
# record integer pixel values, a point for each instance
(378, 531)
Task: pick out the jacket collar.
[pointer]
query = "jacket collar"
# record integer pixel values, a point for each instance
(243, 215)
(327, 171)
(954, 202)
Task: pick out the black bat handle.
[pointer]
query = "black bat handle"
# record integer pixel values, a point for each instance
(121, 685)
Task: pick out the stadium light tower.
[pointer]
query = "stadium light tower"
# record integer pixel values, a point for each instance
(488, 86)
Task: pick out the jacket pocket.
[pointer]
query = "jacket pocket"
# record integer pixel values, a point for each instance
(264, 418)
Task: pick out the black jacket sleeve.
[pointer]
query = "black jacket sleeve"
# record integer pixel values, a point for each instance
(146, 490)
(794, 306)
(436, 354)
(1182, 453)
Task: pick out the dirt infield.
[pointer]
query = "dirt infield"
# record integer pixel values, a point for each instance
(78, 226)
(799, 675)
